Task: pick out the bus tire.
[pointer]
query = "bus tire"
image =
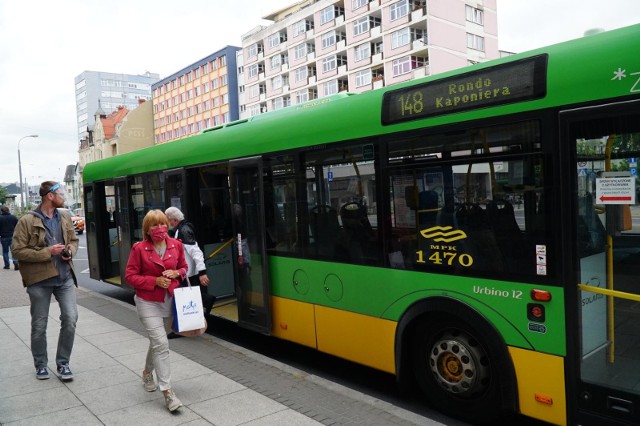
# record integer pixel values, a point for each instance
(460, 369)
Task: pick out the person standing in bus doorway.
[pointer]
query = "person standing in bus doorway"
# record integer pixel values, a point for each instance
(155, 268)
(197, 273)
(44, 243)
(8, 224)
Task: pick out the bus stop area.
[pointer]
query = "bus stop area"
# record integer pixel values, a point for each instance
(218, 382)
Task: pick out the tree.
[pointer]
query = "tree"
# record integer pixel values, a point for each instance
(3, 195)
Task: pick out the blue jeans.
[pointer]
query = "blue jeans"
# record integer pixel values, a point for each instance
(6, 245)
(40, 297)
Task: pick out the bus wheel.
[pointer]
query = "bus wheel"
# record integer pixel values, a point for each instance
(456, 372)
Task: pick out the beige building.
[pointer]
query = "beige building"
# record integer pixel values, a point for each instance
(317, 48)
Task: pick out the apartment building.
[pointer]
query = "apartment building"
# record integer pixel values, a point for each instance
(105, 92)
(201, 95)
(317, 48)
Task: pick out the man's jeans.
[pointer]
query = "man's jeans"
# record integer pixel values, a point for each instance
(40, 297)
(6, 245)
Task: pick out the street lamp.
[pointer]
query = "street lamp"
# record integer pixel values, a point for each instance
(22, 201)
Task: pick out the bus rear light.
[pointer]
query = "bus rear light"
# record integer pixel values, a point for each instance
(535, 312)
(544, 399)
(540, 295)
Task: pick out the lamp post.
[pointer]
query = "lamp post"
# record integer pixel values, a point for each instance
(22, 200)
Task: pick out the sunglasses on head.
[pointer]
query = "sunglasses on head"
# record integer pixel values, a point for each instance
(54, 187)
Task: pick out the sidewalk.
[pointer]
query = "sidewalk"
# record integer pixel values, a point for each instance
(107, 388)
(218, 382)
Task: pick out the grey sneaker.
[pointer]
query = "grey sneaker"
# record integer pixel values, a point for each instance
(149, 383)
(172, 401)
(64, 372)
(42, 373)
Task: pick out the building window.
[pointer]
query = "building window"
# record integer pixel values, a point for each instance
(401, 66)
(254, 110)
(302, 73)
(327, 14)
(330, 88)
(474, 15)
(357, 4)
(475, 42)
(254, 49)
(223, 60)
(300, 51)
(400, 38)
(363, 78)
(329, 63)
(363, 51)
(328, 39)
(253, 71)
(276, 82)
(399, 9)
(301, 27)
(277, 38)
(361, 26)
(404, 65)
(223, 79)
(274, 40)
(276, 61)
(302, 96)
(254, 91)
(225, 98)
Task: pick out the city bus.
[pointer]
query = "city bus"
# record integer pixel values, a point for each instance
(474, 233)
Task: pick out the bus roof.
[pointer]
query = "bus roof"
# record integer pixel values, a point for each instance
(578, 71)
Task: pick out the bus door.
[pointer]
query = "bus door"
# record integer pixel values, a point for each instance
(123, 223)
(249, 250)
(605, 143)
(92, 193)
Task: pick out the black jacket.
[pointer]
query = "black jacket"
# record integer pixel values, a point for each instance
(8, 223)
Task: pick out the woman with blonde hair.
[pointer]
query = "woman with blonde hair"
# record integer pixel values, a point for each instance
(155, 268)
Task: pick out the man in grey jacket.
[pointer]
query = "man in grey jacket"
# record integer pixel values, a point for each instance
(44, 243)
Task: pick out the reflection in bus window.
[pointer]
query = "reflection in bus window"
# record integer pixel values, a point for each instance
(335, 216)
(471, 202)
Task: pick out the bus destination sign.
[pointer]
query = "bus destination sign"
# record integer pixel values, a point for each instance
(498, 85)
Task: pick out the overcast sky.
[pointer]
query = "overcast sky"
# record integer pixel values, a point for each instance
(45, 44)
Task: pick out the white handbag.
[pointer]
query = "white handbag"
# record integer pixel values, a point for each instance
(188, 312)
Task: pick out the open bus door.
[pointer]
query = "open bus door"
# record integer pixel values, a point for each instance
(249, 249)
(605, 304)
(93, 193)
(123, 224)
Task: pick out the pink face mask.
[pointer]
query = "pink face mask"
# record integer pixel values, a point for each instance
(159, 233)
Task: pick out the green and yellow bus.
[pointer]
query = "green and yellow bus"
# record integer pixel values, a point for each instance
(476, 233)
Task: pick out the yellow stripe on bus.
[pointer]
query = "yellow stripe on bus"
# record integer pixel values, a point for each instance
(541, 386)
(360, 338)
(356, 337)
(293, 321)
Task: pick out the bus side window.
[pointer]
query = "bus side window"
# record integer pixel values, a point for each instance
(481, 241)
(324, 227)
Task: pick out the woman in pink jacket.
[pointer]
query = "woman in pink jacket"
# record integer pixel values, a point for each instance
(155, 268)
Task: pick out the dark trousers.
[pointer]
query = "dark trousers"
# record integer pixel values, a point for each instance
(6, 245)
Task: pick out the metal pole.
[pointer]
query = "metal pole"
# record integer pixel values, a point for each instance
(22, 200)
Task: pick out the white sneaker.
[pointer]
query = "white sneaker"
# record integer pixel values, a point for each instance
(149, 383)
(172, 401)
